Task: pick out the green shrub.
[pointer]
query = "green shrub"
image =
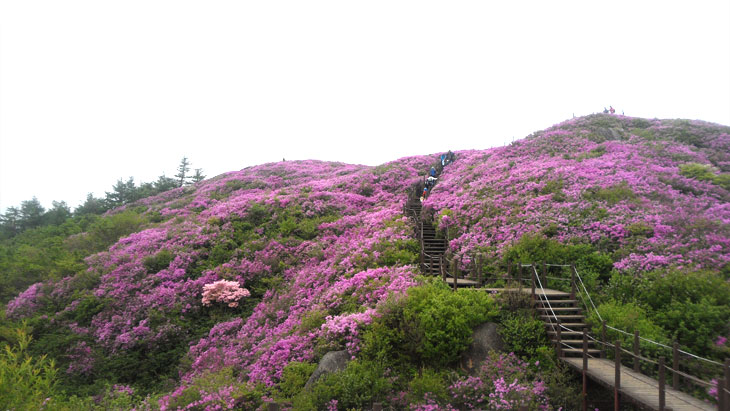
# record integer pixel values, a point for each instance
(26, 382)
(445, 319)
(523, 335)
(431, 383)
(702, 172)
(157, 262)
(356, 387)
(294, 376)
(629, 317)
(611, 195)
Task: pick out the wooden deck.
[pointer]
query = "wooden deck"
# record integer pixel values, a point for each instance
(641, 389)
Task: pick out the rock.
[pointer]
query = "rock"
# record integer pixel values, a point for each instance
(611, 133)
(332, 362)
(484, 339)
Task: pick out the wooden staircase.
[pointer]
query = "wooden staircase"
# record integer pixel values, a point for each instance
(564, 321)
(433, 259)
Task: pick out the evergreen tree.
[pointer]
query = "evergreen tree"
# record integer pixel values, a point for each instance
(31, 214)
(182, 171)
(58, 214)
(123, 193)
(10, 222)
(92, 205)
(198, 176)
(165, 183)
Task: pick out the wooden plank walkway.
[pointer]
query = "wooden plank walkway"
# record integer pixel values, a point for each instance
(640, 388)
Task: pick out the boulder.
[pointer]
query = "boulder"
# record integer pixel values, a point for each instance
(332, 362)
(484, 339)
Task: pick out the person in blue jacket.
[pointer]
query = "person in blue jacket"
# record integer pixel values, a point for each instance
(432, 172)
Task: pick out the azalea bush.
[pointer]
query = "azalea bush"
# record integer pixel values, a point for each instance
(226, 292)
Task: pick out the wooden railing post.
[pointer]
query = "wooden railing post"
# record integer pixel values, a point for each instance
(636, 350)
(454, 273)
(430, 265)
(442, 266)
(544, 274)
(509, 269)
(585, 369)
(479, 269)
(617, 378)
(727, 384)
(603, 337)
(675, 365)
(662, 394)
(559, 337)
(721, 398)
(532, 280)
(572, 284)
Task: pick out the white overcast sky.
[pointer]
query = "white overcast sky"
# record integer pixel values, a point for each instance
(93, 91)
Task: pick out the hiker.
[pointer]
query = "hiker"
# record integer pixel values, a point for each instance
(443, 160)
(612, 110)
(450, 157)
(425, 193)
(605, 110)
(430, 182)
(432, 173)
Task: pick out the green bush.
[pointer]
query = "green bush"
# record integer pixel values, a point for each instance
(702, 172)
(589, 262)
(611, 195)
(26, 382)
(294, 376)
(431, 383)
(356, 387)
(431, 326)
(523, 335)
(158, 262)
(628, 317)
(445, 319)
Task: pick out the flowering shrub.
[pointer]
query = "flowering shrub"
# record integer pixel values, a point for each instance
(222, 291)
(504, 382)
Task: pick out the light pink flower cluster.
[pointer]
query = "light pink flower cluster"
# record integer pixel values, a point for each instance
(222, 291)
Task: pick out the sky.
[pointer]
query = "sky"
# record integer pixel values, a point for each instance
(94, 91)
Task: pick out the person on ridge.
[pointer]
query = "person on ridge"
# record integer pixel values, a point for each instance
(450, 157)
(443, 160)
(612, 110)
(605, 110)
(432, 173)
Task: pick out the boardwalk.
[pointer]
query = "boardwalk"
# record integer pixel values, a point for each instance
(640, 388)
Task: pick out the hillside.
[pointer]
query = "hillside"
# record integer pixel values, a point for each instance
(319, 257)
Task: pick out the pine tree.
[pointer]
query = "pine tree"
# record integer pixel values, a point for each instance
(198, 176)
(165, 183)
(10, 222)
(92, 205)
(31, 214)
(58, 214)
(182, 171)
(123, 193)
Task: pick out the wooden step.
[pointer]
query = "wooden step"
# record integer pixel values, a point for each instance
(559, 309)
(574, 342)
(572, 326)
(563, 317)
(562, 302)
(564, 333)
